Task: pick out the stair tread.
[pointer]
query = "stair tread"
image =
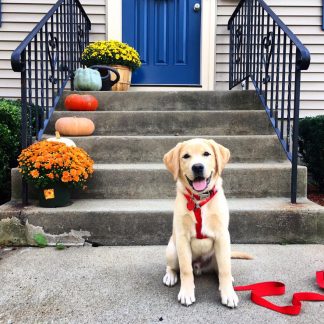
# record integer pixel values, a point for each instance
(166, 205)
(151, 149)
(180, 112)
(161, 166)
(185, 137)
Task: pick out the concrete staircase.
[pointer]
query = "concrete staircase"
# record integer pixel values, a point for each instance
(129, 199)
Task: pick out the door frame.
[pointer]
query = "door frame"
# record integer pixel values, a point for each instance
(207, 49)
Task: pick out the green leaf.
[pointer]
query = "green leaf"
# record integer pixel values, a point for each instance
(40, 240)
(59, 246)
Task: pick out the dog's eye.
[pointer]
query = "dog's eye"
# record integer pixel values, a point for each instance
(206, 154)
(186, 156)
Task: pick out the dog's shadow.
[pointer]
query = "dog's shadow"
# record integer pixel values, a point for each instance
(206, 288)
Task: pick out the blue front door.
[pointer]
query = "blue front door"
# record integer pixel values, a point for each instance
(166, 33)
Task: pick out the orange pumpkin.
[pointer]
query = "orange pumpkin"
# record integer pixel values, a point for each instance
(79, 102)
(75, 126)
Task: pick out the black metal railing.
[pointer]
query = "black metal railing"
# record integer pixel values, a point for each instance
(266, 52)
(46, 59)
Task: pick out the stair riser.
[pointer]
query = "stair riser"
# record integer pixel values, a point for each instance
(152, 149)
(150, 184)
(202, 100)
(155, 228)
(174, 123)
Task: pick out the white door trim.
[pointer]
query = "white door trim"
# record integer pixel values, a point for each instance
(208, 46)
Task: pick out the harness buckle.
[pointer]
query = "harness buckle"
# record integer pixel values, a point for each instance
(204, 195)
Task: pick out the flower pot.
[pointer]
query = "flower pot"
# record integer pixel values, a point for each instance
(125, 78)
(57, 195)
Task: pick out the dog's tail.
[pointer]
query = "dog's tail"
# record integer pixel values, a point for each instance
(241, 255)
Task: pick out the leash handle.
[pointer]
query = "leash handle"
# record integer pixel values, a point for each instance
(276, 288)
(320, 279)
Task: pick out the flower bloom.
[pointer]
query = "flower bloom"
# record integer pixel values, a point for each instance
(34, 173)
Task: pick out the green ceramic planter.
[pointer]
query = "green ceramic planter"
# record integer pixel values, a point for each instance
(58, 195)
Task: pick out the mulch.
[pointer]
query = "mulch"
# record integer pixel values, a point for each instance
(314, 195)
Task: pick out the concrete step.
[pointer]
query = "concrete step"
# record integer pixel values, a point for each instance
(148, 149)
(150, 181)
(148, 222)
(123, 285)
(173, 100)
(192, 123)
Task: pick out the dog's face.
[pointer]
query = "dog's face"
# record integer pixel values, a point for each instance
(197, 163)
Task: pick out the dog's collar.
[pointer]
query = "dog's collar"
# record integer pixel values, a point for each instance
(194, 203)
(203, 195)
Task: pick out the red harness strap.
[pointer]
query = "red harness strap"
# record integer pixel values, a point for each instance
(275, 288)
(196, 207)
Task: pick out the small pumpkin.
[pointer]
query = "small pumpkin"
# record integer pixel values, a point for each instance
(77, 102)
(60, 139)
(75, 126)
(87, 80)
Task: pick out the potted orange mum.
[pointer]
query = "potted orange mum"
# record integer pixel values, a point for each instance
(53, 168)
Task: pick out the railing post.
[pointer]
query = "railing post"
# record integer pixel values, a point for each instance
(71, 45)
(24, 142)
(295, 135)
(248, 42)
(231, 60)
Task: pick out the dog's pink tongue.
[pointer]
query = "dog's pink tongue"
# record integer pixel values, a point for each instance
(199, 185)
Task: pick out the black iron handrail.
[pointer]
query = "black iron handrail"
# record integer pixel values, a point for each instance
(266, 52)
(47, 59)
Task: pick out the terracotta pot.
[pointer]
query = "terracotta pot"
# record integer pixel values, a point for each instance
(125, 78)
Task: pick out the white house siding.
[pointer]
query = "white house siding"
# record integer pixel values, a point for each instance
(304, 19)
(18, 19)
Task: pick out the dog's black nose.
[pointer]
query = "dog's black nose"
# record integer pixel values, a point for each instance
(198, 169)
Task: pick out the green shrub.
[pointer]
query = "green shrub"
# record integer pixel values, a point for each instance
(311, 147)
(10, 120)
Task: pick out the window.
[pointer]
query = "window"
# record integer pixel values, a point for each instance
(0, 14)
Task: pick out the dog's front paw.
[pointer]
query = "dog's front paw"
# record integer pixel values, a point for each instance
(170, 278)
(186, 296)
(229, 297)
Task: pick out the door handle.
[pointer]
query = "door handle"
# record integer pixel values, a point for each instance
(196, 7)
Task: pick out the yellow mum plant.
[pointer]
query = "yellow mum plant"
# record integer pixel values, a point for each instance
(46, 163)
(111, 53)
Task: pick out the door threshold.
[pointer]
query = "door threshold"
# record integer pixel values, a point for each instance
(165, 87)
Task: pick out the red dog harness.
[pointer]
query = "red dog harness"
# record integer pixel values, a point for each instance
(193, 204)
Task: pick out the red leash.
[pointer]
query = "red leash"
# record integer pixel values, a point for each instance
(275, 288)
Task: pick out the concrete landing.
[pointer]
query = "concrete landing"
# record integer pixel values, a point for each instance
(124, 285)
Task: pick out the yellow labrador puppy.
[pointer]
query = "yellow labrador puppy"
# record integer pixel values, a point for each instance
(200, 238)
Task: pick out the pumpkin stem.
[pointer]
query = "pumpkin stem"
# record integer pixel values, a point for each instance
(57, 134)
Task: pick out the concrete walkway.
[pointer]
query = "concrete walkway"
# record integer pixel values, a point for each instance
(124, 285)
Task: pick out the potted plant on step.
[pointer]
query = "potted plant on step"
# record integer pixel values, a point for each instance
(54, 168)
(115, 54)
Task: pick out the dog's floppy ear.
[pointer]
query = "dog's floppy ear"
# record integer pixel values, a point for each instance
(222, 156)
(172, 160)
